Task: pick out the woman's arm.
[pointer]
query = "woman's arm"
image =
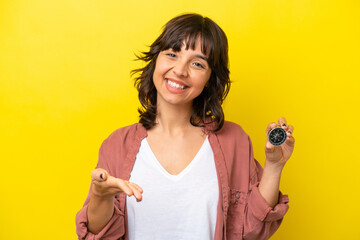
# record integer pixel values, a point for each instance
(269, 183)
(276, 158)
(99, 212)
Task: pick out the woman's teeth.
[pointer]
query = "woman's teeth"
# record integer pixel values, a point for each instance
(175, 85)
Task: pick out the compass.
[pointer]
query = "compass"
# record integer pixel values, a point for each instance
(277, 136)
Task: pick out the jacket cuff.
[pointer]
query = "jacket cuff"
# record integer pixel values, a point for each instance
(261, 209)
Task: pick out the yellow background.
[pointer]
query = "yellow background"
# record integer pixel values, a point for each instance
(65, 86)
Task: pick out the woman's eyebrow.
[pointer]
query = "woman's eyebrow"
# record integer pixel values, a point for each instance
(202, 57)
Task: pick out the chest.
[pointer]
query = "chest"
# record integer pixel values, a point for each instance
(175, 155)
(182, 206)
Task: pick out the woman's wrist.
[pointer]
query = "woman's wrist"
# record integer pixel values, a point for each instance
(273, 167)
(100, 200)
(99, 195)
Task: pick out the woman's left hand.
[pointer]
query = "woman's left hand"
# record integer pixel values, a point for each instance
(280, 154)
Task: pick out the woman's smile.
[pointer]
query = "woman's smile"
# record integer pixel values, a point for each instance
(174, 84)
(175, 87)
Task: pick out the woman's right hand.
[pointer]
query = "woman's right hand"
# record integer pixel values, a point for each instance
(106, 186)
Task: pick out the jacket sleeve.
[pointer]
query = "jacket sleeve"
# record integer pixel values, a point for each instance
(114, 229)
(261, 220)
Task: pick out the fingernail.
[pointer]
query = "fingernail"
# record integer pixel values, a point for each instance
(101, 176)
(289, 132)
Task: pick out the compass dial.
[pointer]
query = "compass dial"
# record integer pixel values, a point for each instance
(277, 136)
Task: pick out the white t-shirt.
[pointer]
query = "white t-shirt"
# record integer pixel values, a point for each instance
(173, 207)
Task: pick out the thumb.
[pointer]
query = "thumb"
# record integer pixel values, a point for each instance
(269, 147)
(99, 175)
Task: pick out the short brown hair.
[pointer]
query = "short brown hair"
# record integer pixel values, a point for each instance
(187, 27)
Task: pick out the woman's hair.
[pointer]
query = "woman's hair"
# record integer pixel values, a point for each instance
(207, 106)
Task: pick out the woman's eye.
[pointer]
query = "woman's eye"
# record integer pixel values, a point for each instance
(171, 55)
(197, 64)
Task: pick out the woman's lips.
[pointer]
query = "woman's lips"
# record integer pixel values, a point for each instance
(174, 86)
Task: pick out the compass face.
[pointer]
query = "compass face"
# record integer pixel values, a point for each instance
(277, 136)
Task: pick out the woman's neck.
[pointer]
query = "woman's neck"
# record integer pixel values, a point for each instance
(173, 120)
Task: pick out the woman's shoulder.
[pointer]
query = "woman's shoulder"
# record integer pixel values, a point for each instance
(126, 133)
(115, 149)
(232, 129)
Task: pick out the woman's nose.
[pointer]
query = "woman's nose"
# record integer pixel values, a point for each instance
(180, 69)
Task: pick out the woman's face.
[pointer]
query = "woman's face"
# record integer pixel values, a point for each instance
(179, 77)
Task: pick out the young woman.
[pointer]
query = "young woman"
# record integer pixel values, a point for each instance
(183, 172)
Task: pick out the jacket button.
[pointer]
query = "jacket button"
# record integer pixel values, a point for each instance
(237, 195)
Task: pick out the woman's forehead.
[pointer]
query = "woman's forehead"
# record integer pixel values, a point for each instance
(192, 42)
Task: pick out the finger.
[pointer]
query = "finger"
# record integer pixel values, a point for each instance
(270, 126)
(290, 141)
(113, 182)
(99, 175)
(290, 129)
(269, 147)
(124, 186)
(137, 187)
(282, 122)
(136, 192)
